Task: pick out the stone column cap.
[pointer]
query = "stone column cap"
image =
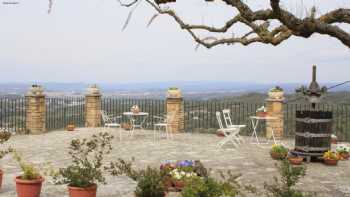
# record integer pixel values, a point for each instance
(275, 100)
(35, 90)
(93, 90)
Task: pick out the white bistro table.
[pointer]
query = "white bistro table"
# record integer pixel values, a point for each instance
(255, 122)
(133, 116)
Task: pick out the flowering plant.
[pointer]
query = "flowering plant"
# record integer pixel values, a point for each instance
(179, 174)
(279, 149)
(331, 155)
(343, 149)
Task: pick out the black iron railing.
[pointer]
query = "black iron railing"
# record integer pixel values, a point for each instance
(116, 106)
(64, 110)
(199, 115)
(12, 114)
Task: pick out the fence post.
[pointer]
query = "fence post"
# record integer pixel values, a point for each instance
(175, 108)
(275, 104)
(35, 110)
(93, 107)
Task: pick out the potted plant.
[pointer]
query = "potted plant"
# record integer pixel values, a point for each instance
(86, 168)
(4, 136)
(295, 159)
(331, 158)
(276, 93)
(150, 181)
(344, 152)
(261, 111)
(278, 152)
(70, 126)
(29, 183)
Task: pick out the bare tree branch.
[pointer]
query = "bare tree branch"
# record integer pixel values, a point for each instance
(290, 24)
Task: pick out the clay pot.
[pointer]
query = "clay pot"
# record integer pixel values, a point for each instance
(278, 156)
(330, 162)
(261, 114)
(70, 127)
(219, 133)
(1, 173)
(295, 160)
(28, 188)
(345, 156)
(179, 184)
(83, 191)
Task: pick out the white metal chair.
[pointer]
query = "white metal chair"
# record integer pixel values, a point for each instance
(228, 121)
(163, 123)
(230, 133)
(111, 122)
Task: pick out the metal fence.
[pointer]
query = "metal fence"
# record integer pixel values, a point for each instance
(116, 107)
(63, 110)
(12, 114)
(200, 115)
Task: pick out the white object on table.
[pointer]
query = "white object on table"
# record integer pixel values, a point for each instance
(255, 122)
(132, 115)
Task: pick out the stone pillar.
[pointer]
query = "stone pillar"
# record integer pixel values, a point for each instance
(35, 110)
(274, 105)
(93, 107)
(175, 108)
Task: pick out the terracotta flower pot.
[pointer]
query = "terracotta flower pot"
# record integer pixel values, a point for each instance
(278, 156)
(1, 173)
(179, 184)
(295, 160)
(345, 156)
(70, 127)
(261, 114)
(83, 191)
(28, 188)
(330, 162)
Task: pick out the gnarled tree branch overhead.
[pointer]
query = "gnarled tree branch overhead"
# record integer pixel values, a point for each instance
(259, 24)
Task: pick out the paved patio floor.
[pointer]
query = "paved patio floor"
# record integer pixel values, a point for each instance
(253, 162)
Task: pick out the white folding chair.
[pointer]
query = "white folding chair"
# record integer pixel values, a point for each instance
(111, 122)
(227, 118)
(230, 134)
(164, 123)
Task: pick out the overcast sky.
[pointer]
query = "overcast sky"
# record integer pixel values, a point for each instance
(82, 41)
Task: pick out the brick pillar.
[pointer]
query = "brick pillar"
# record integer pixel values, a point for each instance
(35, 110)
(93, 107)
(175, 107)
(274, 106)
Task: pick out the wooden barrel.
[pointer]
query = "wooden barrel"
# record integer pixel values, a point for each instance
(313, 132)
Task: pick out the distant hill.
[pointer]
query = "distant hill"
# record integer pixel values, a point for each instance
(194, 89)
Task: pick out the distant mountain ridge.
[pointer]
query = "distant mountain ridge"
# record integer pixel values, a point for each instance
(185, 86)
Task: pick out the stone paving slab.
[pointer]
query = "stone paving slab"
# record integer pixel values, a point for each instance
(253, 162)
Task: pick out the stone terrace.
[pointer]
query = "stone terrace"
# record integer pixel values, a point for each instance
(253, 162)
